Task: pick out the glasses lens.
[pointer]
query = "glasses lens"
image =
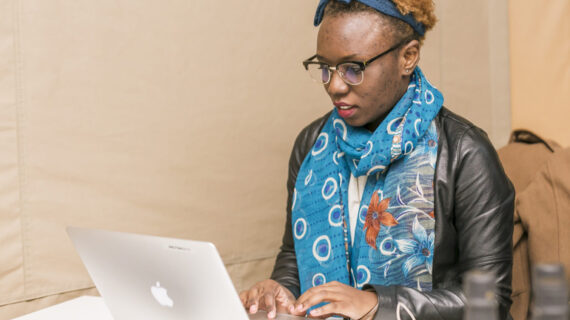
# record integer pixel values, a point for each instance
(351, 73)
(319, 72)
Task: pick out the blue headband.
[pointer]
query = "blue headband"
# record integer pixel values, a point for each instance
(386, 7)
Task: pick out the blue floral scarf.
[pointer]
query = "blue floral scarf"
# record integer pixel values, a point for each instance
(394, 235)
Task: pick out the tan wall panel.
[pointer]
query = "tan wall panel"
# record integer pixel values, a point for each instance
(540, 67)
(11, 244)
(173, 120)
(466, 56)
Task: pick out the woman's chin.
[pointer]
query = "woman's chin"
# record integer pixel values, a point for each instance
(356, 122)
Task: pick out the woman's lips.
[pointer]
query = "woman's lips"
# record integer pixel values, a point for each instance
(344, 109)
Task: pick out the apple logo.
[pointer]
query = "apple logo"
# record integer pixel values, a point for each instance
(161, 295)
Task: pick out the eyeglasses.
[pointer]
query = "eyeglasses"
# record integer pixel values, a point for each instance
(352, 72)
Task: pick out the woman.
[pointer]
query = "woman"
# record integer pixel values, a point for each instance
(392, 198)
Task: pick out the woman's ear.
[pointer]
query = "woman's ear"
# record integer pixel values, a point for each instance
(409, 57)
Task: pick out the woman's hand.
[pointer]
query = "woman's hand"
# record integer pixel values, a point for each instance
(267, 295)
(343, 300)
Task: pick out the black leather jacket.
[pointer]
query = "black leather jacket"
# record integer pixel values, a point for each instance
(474, 202)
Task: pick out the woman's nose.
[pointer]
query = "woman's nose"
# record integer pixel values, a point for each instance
(337, 86)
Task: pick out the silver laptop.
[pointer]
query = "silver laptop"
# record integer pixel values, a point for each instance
(148, 277)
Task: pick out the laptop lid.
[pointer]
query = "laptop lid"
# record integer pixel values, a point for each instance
(148, 277)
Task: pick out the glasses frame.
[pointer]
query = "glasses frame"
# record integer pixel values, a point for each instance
(361, 64)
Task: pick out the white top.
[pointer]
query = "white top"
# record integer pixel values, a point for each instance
(355, 191)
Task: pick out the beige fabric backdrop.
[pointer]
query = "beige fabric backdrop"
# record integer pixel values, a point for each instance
(540, 67)
(177, 118)
(467, 57)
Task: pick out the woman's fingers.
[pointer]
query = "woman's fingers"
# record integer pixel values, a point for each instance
(243, 297)
(252, 302)
(267, 295)
(341, 299)
(317, 295)
(324, 311)
(284, 298)
(269, 302)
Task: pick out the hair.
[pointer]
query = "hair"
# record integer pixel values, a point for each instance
(421, 10)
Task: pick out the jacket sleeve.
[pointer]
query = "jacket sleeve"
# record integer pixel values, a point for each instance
(285, 270)
(480, 210)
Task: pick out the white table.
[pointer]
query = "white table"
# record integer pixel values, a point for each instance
(93, 308)
(85, 308)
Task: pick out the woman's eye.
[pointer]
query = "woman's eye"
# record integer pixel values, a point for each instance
(353, 70)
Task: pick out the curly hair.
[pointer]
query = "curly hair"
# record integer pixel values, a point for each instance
(421, 10)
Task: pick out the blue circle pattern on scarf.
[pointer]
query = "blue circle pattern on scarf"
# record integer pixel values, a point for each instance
(335, 216)
(319, 279)
(394, 233)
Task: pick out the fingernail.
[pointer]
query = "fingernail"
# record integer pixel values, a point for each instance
(253, 309)
(300, 307)
(291, 308)
(271, 314)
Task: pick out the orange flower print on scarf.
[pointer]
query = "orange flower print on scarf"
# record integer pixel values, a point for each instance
(376, 217)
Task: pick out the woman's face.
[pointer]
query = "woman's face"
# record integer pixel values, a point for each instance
(359, 37)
